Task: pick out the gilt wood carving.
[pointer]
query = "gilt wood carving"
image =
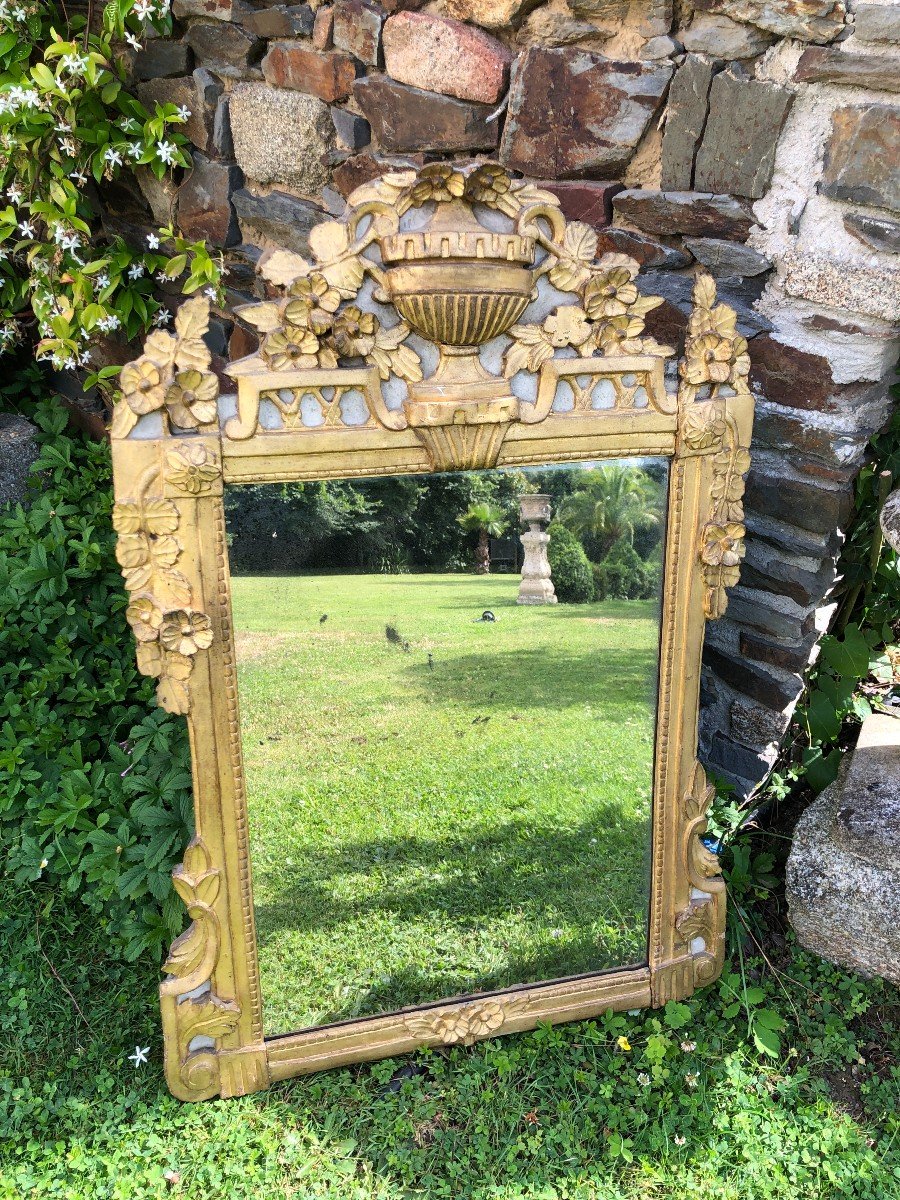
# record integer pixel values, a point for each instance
(452, 320)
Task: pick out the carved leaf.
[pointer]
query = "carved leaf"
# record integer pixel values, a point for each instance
(264, 317)
(186, 951)
(149, 658)
(213, 1017)
(704, 290)
(347, 276)
(579, 247)
(160, 516)
(329, 240)
(123, 421)
(527, 194)
(192, 319)
(386, 189)
(402, 362)
(160, 347)
(196, 860)
(173, 695)
(528, 351)
(282, 268)
(643, 305)
(126, 518)
(390, 339)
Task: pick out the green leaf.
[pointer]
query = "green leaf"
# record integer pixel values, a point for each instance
(848, 656)
(824, 722)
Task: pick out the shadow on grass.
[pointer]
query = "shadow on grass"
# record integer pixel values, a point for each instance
(597, 871)
(520, 678)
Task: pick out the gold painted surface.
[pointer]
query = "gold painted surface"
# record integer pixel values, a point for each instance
(168, 483)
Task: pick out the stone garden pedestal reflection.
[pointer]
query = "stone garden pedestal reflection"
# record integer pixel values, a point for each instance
(537, 585)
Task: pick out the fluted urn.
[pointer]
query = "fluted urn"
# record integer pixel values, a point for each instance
(459, 285)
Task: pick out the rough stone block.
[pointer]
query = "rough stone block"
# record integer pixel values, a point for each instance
(686, 113)
(878, 233)
(281, 136)
(161, 59)
(836, 283)
(806, 20)
(792, 377)
(227, 50)
(797, 502)
(407, 119)
(843, 880)
(773, 430)
(281, 21)
(769, 571)
(204, 202)
(819, 64)
(357, 30)
(759, 684)
(440, 55)
(323, 29)
(277, 217)
(877, 23)
(737, 154)
(575, 113)
(756, 725)
(353, 132)
(862, 156)
(199, 93)
(699, 214)
(18, 450)
(727, 258)
(738, 763)
(222, 140)
(788, 656)
(353, 172)
(219, 10)
(720, 37)
(771, 615)
(585, 200)
(490, 14)
(648, 252)
(328, 75)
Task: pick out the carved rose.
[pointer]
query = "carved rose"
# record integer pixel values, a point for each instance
(466, 1025)
(488, 185)
(191, 468)
(290, 348)
(354, 332)
(438, 182)
(567, 326)
(186, 632)
(723, 545)
(704, 427)
(708, 360)
(142, 386)
(314, 303)
(191, 399)
(610, 293)
(144, 618)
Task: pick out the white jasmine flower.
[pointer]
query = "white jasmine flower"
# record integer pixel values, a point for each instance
(14, 194)
(166, 151)
(68, 147)
(135, 271)
(162, 317)
(102, 281)
(135, 150)
(70, 363)
(211, 294)
(133, 41)
(26, 229)
(152, 241)
(112, 156)
(63, 127)
(143, 10)
(74, 64)
(139, 1056)
(184, 112)
(79, 177)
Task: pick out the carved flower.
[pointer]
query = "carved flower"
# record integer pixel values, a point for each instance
(192, 468)
(191, 399)
(292, 347)
(314, 303)
(708, 360)
(703, 427)
(438, 182)
(186, 632)
(567, 326)
(487, 185)
(142, 386)
(466, 1025)
(354, 332)
(144, 618)
(132, 550)
(723, 545)
(740, 367)
(610, 293)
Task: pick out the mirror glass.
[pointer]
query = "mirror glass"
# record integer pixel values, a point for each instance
(447, 689)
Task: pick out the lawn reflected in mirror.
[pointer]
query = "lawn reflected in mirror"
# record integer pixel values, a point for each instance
(448, 791)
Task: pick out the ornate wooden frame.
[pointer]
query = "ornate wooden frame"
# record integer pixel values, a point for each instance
(176, 442)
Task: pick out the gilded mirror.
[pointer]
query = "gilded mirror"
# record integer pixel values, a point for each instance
(428, 580)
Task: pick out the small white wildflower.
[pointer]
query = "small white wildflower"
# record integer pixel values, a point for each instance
(68, 147)
(691, 1080)
(143, 10)
(19, 13)
(211, 294)
(135, 271)
(152, 241)
(689, 1047)
(136, 149)
(79, 177)
(133, 41)
(102, 281)
(112, 156)
(184, 113)
(70, 363)
(139, 1056)
(14, 194)
(643, 1079)
(166, 151)
(680, 1139)
(26, 229)
(556, 933)
(162, 317)
(45, 862)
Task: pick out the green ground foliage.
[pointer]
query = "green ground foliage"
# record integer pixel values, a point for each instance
(461, 805)
(685, 1109)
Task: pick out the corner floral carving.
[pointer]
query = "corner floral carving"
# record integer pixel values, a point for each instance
(463, 1025)
(168, 631)
(192, 1072)
(192, 467)
(715, 367)
(171, 377)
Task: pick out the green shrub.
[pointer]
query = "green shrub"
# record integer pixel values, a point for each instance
(569, 566)
(94, 780)
(622, 575)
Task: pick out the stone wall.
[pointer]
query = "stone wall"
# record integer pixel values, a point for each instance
(758, 137)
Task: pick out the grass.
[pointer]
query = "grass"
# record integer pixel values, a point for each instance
(468, 811)
(689, 1112)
